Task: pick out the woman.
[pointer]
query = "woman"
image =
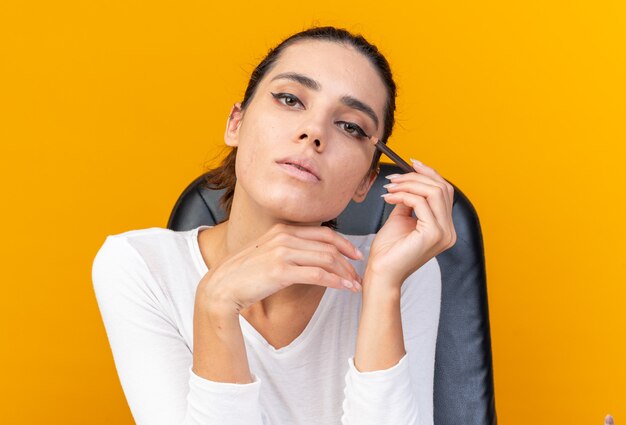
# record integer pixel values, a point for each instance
(271, 316)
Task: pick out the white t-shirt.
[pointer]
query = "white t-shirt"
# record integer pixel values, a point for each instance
(145, 282)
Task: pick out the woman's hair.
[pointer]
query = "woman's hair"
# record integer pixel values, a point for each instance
(223, 177)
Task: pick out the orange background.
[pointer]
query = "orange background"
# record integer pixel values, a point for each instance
(109, 109)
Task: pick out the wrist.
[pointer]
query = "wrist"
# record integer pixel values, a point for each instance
(381, 287)
(381, 281)
(210, 300)
(219, 352)
(216, 307)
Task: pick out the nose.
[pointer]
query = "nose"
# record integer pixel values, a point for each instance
(313, 131)
(316, 140)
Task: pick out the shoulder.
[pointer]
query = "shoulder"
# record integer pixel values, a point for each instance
(153, 242)
(120, 255)
(135, 257)
(139, 236)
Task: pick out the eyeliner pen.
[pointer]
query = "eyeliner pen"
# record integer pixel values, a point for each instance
(391, 154)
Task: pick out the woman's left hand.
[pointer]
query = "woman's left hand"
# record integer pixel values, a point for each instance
(406, 243)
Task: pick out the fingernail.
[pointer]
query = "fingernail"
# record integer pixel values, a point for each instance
(416, 162)
(358, 286)
(389, 185)
(392, 176)
(358, 252)
(347, 283)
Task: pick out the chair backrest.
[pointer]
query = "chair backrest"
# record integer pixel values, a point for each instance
(463, 382)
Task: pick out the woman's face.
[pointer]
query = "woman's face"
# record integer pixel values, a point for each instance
(316, 120)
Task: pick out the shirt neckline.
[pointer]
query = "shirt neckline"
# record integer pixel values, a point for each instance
(246, 327)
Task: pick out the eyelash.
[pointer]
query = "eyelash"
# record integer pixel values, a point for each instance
(359, 134)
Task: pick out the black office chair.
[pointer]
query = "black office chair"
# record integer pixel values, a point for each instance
(463, 382)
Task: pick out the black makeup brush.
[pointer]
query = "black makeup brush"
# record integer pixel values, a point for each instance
(391, 154)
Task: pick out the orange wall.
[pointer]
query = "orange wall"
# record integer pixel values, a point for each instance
(109, 109)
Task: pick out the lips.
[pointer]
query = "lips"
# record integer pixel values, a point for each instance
(302, 163)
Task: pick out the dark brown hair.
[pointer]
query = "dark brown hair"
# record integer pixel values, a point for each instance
(223, 177)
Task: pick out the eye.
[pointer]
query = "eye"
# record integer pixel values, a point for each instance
(350, 127)
(289, 98)
(354, 130)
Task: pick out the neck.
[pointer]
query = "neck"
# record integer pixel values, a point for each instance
(247, 222)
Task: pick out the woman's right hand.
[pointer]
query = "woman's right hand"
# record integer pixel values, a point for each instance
(284, 255)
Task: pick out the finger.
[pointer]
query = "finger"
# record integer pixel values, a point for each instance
(431, 172)
(312, 275)
(444, 232)
(425, 169)
(323, 234)
(410, 177)
(432, 185)
(307, 252)
(419, 204)
(434, 195)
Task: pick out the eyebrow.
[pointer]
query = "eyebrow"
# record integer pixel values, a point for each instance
(349, 101)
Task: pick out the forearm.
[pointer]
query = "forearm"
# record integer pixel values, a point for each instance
(219, 352)
(380, 342)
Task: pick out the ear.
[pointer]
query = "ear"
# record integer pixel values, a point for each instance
(365, 186)
(231, 135)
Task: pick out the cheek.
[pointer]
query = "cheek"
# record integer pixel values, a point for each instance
(262, 135)
(347, 182)
(357, 162)
(254, 145)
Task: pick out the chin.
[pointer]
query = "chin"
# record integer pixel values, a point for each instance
(299, 207)
(299, 214)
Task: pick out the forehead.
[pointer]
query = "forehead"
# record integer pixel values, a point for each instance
(340, 70)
